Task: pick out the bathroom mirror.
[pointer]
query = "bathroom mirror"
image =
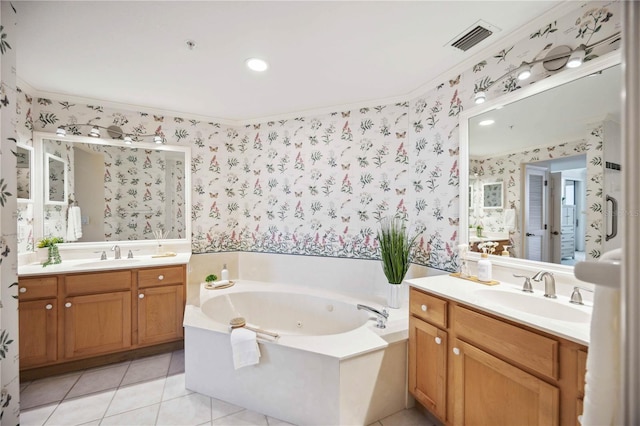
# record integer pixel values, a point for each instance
(553, 155)
(55, 183)
(123, 192)
(24, 166)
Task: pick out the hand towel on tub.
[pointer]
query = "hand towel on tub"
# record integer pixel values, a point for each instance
(602, 389)
(244, 346)
(74, 224)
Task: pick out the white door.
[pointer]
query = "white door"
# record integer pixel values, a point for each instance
(555, 222)
(535, 236)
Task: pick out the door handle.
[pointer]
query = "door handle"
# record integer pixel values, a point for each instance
(528, 234)
(555, 233)
(614, 218)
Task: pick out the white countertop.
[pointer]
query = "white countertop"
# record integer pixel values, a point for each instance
(95, 264)
(467, 292)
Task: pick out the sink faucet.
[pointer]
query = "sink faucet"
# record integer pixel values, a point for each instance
(381, 317)
(116, 250)
(549, 283)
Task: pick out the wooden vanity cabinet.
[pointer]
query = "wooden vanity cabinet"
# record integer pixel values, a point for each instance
(71, 317)
(97, 313)
(160, 300)
(38, 316)
(493, 371)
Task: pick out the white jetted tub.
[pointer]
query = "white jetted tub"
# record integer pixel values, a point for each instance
(330, 365)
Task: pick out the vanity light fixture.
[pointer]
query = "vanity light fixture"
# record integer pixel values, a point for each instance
(257, 64)
(570, 58)
(114, 131)
(577, 57)
(488, 122)
(480, 97)
(95, 132)
(524, 71)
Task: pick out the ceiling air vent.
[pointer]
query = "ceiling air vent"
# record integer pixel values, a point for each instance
(473, 35)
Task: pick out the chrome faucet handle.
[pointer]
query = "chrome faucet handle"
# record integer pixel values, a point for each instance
(103, 256)
(526, 286)
(576, 297)
(130, 255)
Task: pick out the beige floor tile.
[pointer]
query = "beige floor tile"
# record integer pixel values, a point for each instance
(136, 396)
(174, 387)
(148, 368)
(277, 422)
(177, 362)
(81, 410)
(192, 409)
(222, 409)
(47, 391)
(36, 416)
(410, 417)
(145, 416)
(98, 380)
(243, 418)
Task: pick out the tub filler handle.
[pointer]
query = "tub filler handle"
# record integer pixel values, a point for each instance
(381, 317)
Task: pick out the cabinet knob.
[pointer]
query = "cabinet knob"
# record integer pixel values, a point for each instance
(161, 277)
(67, 305)
(141, 296)
(23, 290)
(424, 308)
(456, 351)
(438, 340)
(48, 306)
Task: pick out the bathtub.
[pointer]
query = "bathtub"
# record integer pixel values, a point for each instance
(330, 365)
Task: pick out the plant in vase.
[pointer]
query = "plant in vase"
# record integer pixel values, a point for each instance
(395, 251)
(53, 254)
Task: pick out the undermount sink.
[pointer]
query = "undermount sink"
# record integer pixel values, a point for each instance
(534, 304)
(107, 263)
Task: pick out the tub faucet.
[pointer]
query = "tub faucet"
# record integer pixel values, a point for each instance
(549, 283)
(116, 250)
(381, 317)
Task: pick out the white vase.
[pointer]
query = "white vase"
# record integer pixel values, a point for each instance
(393, 295)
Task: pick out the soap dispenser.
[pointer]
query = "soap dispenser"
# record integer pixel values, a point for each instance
(224, 274)
(484, 268)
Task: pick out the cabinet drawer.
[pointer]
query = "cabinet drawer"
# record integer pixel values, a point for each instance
(37, 288)
(524, 347)
(428, 308)
(160, 276)
(99, 282)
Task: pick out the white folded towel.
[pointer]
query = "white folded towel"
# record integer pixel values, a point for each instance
(74, 224)
(510, 219)
(603, 384)
(244, 346)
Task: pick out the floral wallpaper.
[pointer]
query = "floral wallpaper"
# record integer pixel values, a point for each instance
(317, 185)
(508, 169)
(9, 363)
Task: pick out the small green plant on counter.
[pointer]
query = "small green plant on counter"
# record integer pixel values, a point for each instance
(49, 242)
(211, 278)
(53, 254)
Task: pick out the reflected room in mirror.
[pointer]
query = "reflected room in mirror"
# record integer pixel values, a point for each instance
(557, 153)
(24, 166)
(112, 191)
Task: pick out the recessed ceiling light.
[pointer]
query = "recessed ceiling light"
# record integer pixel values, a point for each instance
(256, 64)
(486, 122)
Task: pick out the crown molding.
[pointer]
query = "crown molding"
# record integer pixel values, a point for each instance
(513, 37)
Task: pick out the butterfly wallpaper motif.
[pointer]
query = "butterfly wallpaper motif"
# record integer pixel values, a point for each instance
(318, 184)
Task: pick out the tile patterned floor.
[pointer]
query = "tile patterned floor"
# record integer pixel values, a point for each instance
(146, 391)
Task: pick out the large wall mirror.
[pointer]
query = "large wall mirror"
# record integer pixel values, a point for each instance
(119, 192)
(555, 149)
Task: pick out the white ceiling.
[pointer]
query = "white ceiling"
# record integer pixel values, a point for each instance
(322, 54)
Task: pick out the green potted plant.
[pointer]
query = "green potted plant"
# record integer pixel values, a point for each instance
(479, 229)
(211, 278)
(53, 254)
(395, 251)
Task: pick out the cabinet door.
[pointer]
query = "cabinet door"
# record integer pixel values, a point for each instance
(38, 332)
(428, 366)
(97, 323)
(160, 311)
(489, 391)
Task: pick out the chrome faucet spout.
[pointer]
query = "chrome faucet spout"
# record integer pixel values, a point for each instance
(116, 250)
(549, 283)
(381, 317)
